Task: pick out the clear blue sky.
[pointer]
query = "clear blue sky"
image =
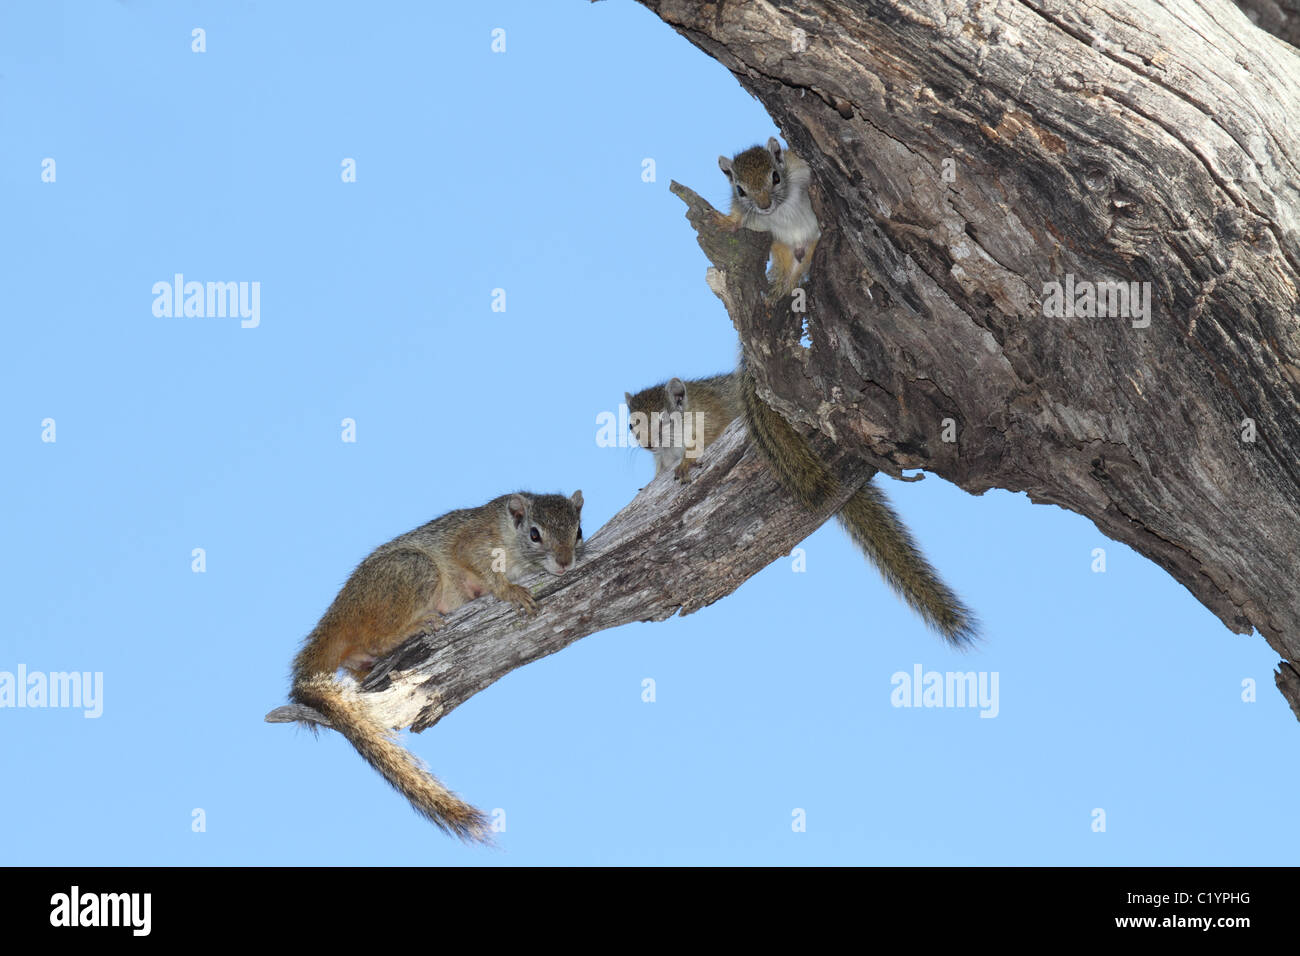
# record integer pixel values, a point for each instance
(520, 170)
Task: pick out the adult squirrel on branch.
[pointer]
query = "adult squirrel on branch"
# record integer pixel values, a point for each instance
(662, 414)
(406, 586)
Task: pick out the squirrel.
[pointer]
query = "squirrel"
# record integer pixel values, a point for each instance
(769, 193)
(867, 516)
(406, 586)
(676, 424)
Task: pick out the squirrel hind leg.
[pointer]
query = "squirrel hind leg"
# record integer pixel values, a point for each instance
(802, 263)
(782, 276)
(359, 663)
(790, 266)
(390, 597)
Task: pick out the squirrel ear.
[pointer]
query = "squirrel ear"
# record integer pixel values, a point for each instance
(774, 148)
(627, 399)
(518, 508)
(576, 498)
(724, 164)
(676, 390)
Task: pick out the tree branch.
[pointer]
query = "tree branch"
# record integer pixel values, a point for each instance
(674, 548)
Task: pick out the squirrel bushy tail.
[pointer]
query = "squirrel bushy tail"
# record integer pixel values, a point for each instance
(887, 543)
(867, 517)
(350, 717)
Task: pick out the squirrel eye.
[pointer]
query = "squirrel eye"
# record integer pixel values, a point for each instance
(535, 535)
(741, 190)
(776, 178)
(579, 532)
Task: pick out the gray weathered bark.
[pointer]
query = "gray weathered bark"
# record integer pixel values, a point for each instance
(964, 157)
(1125, 140)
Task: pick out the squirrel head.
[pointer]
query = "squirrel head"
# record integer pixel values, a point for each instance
(757, 177)
(548, 528)
(653, 430)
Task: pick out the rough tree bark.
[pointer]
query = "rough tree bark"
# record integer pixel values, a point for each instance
(967, 155)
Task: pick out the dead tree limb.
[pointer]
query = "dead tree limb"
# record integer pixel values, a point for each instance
(674, 549)
(970, 162)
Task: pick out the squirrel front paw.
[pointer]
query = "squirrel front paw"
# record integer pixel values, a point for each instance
(726, 223)
(522, 598)
(431, 622)
(683, 470)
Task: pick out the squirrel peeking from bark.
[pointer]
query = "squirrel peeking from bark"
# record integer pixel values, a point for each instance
(769, 193)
